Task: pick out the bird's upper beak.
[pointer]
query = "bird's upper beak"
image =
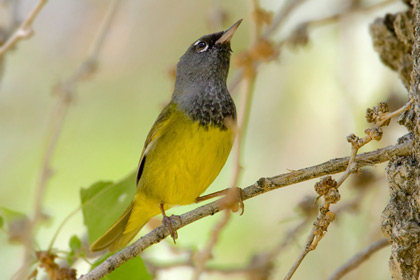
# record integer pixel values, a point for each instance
(228, 34)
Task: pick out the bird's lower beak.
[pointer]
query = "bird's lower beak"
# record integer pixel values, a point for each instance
(228, 34)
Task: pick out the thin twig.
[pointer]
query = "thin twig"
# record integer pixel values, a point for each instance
(66, 92)
(279, 19)
(58, 115)
(359, 258)
(262, 186)
(24, 30)
(154, 267)
(395, 113)
(204, 256)
(63, 222)
(262, 263)
(325, 216)
(351, 10)
(13, 21)
(283, 14)
(291, 234)
(257, 264)
(216, 15)
(79, 208)
(243, 120)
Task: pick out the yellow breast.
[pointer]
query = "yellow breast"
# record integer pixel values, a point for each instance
(184, 160)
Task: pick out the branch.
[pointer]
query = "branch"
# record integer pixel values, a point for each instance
(154, 267)
(262, 186)
(203, 256)
(277, 21)
(25, 29)
(281, 17)
(328, 187)
(244, 111)
(57, 118)
(260, 265)
(359, 258)
(358, 9)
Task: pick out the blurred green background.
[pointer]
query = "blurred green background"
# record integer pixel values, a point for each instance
(304, 106)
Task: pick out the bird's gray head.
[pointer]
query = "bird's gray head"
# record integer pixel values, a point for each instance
(207, 59)
(200, 87)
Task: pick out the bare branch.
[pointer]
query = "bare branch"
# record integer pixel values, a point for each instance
(203, 256)
(153, 267)
(359, 258)
(358, 9)
(58, 115)
(262, 186)
(283, 14)
(277, 21)
(381, 117)
(25, 29)
(229, 200)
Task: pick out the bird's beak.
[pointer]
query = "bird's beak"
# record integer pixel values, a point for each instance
(228, 34)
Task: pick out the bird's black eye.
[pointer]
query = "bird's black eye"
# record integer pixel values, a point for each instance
(201, 46)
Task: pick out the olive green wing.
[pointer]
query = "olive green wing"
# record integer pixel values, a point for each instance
(157, 129)
(116, 236)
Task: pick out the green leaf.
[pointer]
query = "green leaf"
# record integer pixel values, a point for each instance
(75, 243)
(104, 202)
(133, 269)
(1, 222)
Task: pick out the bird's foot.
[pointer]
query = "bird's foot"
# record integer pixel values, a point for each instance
(234, 200)
(210, 196)
(168, 223)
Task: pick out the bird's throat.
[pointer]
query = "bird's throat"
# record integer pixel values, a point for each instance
(210, 105)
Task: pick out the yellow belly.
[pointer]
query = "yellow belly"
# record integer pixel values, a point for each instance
(183, 161)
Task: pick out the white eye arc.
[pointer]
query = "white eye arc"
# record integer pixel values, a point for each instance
(201, 46)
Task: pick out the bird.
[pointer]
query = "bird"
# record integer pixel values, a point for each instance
(187, 145)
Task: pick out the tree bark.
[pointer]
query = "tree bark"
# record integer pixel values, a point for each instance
(396, 38)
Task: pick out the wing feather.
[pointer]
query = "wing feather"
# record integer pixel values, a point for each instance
(154, 133)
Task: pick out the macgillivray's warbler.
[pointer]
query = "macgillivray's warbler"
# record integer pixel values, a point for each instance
(188, 144)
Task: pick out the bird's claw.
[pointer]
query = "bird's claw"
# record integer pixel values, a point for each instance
(168, 223)
(234, 200)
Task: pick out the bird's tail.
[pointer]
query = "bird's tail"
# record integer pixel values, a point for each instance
(124, 229)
